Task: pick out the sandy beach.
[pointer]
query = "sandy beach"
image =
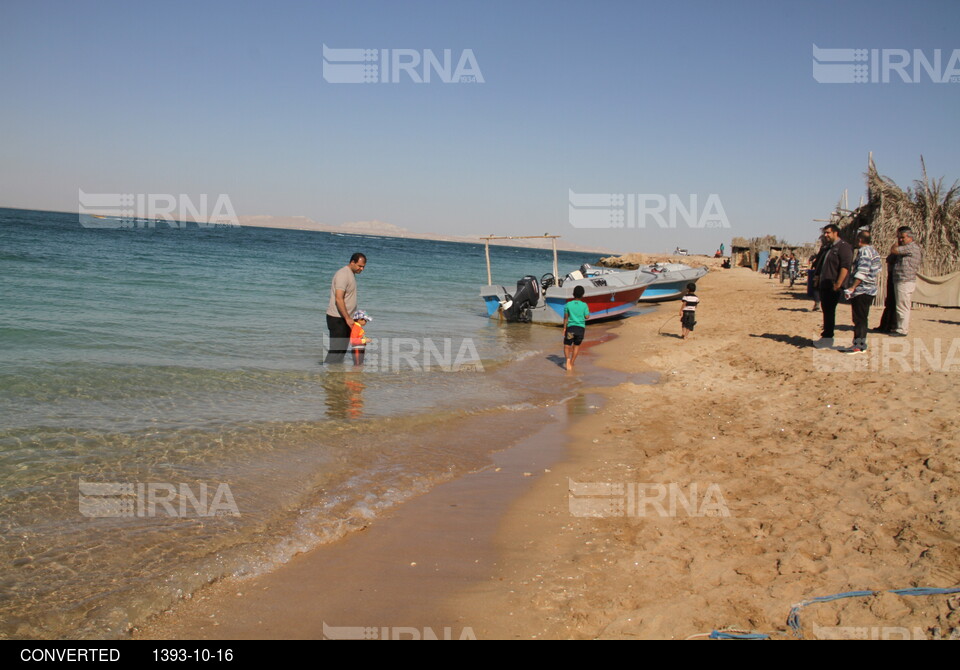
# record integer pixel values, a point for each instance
(816, 473)
(185, 454)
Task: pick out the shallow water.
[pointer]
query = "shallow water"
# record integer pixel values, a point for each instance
(181, 369)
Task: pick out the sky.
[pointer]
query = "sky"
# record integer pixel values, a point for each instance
(679, 102)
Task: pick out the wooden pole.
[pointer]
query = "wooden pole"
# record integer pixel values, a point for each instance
(486, 247)
(555, 269)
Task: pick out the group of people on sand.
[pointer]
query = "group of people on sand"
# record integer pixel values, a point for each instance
(842, 274)
(786, 265)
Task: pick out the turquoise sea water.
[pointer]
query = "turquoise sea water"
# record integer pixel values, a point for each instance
(190, 359)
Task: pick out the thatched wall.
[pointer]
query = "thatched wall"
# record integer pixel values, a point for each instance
(930, 209)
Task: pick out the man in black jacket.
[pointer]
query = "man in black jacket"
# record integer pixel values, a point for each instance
(832, 272)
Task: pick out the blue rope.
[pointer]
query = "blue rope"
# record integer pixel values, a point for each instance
(793, 619)
(923, 591)
(721, 635)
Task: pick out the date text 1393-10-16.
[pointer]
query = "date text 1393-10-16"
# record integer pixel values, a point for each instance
(193, 654)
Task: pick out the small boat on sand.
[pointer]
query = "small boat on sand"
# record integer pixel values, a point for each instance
(671, 280)
(608, 293)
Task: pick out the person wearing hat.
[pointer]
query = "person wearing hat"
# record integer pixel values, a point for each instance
(908, 257)
(358, 337)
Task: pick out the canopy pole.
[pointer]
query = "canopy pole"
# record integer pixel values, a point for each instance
(486, 248)
(556, 271)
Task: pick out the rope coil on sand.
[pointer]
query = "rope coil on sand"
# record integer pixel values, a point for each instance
(793, 618)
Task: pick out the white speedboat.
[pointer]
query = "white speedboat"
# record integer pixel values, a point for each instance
(608, 293)
(670, 280)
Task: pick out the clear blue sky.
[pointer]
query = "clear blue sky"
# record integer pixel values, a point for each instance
(599, 97)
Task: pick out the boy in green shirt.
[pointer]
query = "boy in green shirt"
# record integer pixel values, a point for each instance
(575, 315)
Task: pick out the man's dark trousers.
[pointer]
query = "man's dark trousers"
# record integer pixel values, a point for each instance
(339, 339)
(829, 299)
(861, 315)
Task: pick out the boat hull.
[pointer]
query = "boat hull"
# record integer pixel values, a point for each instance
(608, 296)
(672, 284)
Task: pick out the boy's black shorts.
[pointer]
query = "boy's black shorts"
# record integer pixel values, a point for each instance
(574, 335)
(688, 320)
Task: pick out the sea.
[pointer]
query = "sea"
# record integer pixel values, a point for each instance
(166, 419)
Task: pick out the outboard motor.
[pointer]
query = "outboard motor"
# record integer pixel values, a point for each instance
(589, 271)
(527, 296)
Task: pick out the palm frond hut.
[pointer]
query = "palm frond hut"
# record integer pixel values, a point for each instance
(931, 210)
(747, 252)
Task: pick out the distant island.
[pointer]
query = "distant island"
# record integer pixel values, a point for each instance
(389, 230)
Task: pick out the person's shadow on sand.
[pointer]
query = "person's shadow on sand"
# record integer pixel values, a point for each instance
(673, 335)
(795, 340)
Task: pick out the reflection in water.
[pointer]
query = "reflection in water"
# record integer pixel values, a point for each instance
(343, 394)
(583, 404)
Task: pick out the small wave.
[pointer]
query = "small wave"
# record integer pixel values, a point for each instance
(524, 355)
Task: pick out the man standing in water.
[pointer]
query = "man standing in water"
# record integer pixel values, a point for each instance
(342, 305)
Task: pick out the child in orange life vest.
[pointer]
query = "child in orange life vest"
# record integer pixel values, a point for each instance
(358, 338)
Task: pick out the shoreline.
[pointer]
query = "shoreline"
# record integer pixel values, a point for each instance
(830, 485)
(349, 582)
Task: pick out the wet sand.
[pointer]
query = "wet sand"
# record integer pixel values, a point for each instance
(835, 479)
(832, 479)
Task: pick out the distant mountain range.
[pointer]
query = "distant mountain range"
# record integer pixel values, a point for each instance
(390, 230)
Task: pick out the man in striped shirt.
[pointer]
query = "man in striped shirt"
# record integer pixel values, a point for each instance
(862, 289)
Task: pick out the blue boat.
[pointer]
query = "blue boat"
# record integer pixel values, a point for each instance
(670, 281)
